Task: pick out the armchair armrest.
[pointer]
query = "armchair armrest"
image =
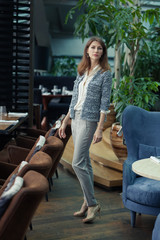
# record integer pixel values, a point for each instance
(6, 169)
(25, 142)
(51, 150)
(35, 132)
(128, 176)
(17, 154)
(32, 132)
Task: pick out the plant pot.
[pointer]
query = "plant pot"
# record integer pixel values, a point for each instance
(117, 141)
(111, 117)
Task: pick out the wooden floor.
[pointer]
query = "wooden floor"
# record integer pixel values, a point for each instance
(54, 219)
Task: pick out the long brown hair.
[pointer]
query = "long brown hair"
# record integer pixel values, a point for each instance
(86, 63)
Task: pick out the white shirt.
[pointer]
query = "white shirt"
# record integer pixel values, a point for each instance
(83, 88)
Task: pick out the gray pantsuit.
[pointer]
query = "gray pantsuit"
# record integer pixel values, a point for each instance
(82, 132)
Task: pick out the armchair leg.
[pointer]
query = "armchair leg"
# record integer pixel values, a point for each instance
(56, 173)
(31, 226)
(133, 218)
(49, 182)
(46, 196)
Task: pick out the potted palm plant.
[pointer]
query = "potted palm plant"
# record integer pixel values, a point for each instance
(140, 92)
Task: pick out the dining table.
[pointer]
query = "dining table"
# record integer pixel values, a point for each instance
(9, 122)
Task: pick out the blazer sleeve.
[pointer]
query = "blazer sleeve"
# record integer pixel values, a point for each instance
(74, 91)
(106, 91)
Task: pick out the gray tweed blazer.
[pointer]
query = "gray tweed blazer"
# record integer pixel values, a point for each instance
(97, 97)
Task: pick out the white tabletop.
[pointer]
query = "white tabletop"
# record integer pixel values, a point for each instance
(147, 168)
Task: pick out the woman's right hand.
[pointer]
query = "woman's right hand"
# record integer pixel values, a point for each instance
(61, 131)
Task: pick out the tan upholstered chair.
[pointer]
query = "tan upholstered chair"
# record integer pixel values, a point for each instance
(53, 147)
(29, 139)
(18, 215)
(41, 162)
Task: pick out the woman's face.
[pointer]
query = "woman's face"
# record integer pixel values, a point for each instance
(95, 51)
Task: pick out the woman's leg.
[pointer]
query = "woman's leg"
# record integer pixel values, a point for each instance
(82, 132)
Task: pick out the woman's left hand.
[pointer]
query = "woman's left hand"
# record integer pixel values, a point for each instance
(97, 136)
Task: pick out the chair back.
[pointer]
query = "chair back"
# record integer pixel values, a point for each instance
(140, 127)
(18, 215)
(63, 140)
(54, 148)
(54, 129)
(41, 162)
(39, 143)
(16, 154)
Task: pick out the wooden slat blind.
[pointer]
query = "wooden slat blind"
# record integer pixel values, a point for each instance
(15, 54)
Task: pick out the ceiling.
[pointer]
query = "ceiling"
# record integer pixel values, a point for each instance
(56, 12)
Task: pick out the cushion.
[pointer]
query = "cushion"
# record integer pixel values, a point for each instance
(41, 141)
(55, 100)
(54, 129)
(10, 182)
(9, 192)
(35, 151)
(145, 191)
(23, 163)
(39, 145)
(145, 151)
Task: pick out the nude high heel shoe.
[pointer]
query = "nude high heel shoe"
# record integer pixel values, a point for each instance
(92, 211)
(82, 211)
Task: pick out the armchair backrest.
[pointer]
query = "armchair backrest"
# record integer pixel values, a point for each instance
(17, 217)
(140, 127)
(63, 140)
(54, 129)
(54, 148)
(41, 162)
(57, 139)
(37, 146)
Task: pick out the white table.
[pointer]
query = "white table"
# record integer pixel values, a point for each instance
(147, 168)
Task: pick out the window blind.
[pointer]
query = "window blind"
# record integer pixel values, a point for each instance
(15, 54)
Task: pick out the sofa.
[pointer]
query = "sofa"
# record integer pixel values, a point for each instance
(56, 107)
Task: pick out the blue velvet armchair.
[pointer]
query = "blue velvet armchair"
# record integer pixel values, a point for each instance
(141, 131)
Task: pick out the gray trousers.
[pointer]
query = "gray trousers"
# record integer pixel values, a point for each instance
(82, 133)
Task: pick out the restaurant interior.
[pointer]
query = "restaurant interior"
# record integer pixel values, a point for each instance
(41, 44)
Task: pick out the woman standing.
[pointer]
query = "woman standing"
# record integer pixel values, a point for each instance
(90, 101)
